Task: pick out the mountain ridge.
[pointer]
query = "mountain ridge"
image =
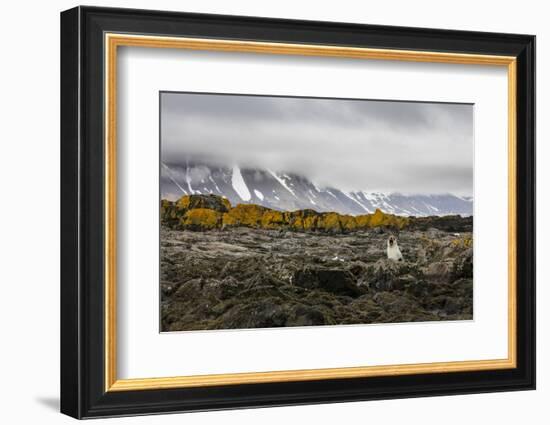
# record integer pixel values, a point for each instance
(285, 191)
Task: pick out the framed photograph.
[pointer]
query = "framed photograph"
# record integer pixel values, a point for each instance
(261, 212)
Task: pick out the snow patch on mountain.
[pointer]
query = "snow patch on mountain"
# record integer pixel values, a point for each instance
(280, 180)
(239, 184)
(259, 194)
(171, 177)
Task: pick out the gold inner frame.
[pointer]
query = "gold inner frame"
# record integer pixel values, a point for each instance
(113, 41)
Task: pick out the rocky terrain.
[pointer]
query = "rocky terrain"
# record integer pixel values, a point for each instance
(223, 270)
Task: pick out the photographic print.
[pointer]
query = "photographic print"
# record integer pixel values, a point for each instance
(281, 211)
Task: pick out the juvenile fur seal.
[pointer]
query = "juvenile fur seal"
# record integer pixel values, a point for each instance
(393, 249)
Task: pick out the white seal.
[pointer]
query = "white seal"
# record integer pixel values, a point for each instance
(393, 249)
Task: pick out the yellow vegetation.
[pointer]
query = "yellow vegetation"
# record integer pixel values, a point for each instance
(466, 242)
(183, 202)
(381, 219)
(348, 222)
(212, 211)
(212, 202)
(363, 221)
(201, 219)
(330, 222)
(272, 219)
(249, 215)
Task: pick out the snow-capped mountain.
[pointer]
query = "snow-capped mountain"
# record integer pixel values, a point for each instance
(287, 191)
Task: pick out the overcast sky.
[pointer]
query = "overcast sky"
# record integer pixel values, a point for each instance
(368, 145)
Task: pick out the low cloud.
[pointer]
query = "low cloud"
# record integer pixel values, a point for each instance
(350, 144)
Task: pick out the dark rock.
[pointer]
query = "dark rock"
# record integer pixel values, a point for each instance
(420, 289)
(463, 266)
(302, 315)
(403, 281)
(448, 223)
(336, 281)
(381, 285)
(167, 289)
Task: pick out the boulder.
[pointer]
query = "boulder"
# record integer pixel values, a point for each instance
(382, 275)
(211, 202)
(169, 213)
(339, 282)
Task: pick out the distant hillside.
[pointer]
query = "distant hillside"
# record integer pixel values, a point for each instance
(210, 212)
(288, 192)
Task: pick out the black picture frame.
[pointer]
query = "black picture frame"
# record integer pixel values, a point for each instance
(83, 392)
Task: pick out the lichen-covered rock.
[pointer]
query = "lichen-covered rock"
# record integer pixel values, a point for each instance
(329, 222)
(272, 219)
(259, 217)
(302, 220)
(201, 219)
(248, 215)
(348, 223)
(211, 202)
(381, 219)
(169, 213)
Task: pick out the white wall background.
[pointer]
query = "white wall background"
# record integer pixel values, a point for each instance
(29, 212)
